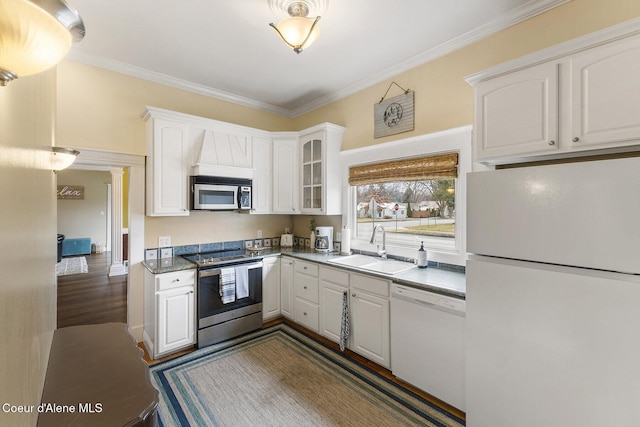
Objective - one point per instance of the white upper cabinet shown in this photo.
(320, 172)
(605, 95)
(167, 170)
(262, 179)
(575, 99)
(285, 173)
(291, 172)
(518, 113)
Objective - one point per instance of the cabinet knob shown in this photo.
(304, 314)
(552, 143)
(353, 295)
(575, 139)
(304, 287)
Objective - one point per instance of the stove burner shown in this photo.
(210, 259)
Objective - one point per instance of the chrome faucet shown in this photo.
(383, 252)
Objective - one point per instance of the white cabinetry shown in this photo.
(334, 284)
(575, 99)
(306, 294)
(518, 113)
(370, 332)
(320, 186)
(263, 173)
(167, 168)
(270, 288)
(605, 95)
(286, 287)
(285, 173)
(169, 315)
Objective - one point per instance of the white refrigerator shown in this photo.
(553, 295)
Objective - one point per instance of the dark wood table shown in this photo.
(97, 377)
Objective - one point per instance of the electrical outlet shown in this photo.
(259, 234)
(151, 254)
(286, 230)
(339, 236)
(164, 241)
(166, 253)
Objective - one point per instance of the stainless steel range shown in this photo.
(229, 294)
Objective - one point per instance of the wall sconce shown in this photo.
(62, 158)
(36, 35)
(298, 31)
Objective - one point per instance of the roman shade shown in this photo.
(440, 166)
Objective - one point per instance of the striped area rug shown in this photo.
(279, 376)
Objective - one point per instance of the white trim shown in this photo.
(458, 140)
(626, 29)
(519, 14)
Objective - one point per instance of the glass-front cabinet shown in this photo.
(312, 171)
(320, 188)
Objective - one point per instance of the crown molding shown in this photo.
(519, 14)
(625, 29)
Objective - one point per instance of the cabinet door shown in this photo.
(370, 327)
(312, 173)
(286, 287)
(285, 176)
(262, 179)
(167, 171)
(605, 95)
(331, 296)
(176, 319)
(517, 114)
(270, 288)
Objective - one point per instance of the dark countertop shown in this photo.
(167, 265)
(438, 280)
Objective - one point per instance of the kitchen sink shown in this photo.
(369, 263)
(354, 260)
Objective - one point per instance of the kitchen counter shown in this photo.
(167, 265)
(438, 280)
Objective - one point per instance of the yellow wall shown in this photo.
(443, 100)
(27, 241)
(100, 109)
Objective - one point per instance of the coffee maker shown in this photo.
(324, 239)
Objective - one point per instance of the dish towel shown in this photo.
(227, 285)
(242, 282)
(344, 325)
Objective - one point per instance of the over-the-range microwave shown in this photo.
(214, 193)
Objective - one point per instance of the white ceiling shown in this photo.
(225, 48)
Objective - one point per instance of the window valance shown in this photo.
(440, 166)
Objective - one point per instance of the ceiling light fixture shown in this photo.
(62, 158)
(35, 35)
(297, 31)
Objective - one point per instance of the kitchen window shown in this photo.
(415, 189)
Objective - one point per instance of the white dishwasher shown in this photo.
(427, 342)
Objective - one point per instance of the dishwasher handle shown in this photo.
(418, 296)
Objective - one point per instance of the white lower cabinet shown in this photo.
(169, 317)
(270, 288)
(312, 295)
(333, 285)
(286, 287)
(370, 313)
(306, 294)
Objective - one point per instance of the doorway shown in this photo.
(103, 160)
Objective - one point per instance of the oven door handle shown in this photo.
(216, 271)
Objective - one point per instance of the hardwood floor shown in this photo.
(93, 297)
